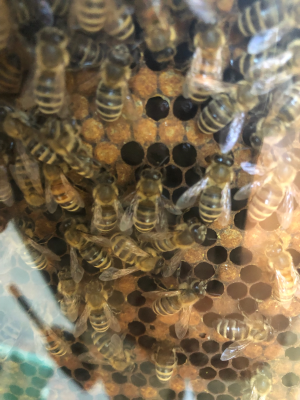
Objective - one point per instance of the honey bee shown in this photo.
(260, 384)
(5, 24)
(60, 191)
(59, 7)
(91, 15)
(275, 186)
(68, 289)
(11, 72)
(107, 208)
(180, 9)
(181, 300)
(51, 59)
(76, 235)
(146, 210)
(160, 33)
(186, 236)
(53, 341)
(6, 193)
(118, 23)
(97, 311)
(27, 12)
(115, 352)
(165, 359)
(213, 191)
(127, 250)
(84, 52)
(253, 330)
(26, 225)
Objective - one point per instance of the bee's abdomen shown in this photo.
(33, 258)
(118, 247)
(48, 98)
(54, 346)
(286, 289)
(99, 321)
(167, 305)
(265, 201)
(210, 206)
(40, 151)
(102, 342)
(62, 198)
(217, 114)
(232, 329)
(289, 112)
(164, 372)
(122, 28)
(10, 73)
(96, 256)
(5, 191)
(165, 245)
(146, 216)
(109, 219)
(92, 15)
(109, 102)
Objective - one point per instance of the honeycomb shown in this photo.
(165, 135)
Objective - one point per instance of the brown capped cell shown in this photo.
(128, 313)
(188, 372)
(253, 350)
(168, 319)
(194, 255)
(177, 383)
(129, 390)
(242, 155)
(198, 385)
(225, 5)
(87, 82)
(227, 272)
(111, 388)
(170, 82)
(269, 307)
(119, 131)
(124, 172)
(171, 131)
(230, 238)
(79, 106)
(106, 153)
(195, 318)
(225, 304)
(145, 131)
(92, 130)
(144, 83)
(133, 108)
(243, 179)
(274, 350)
(148, 392)
(160, 332)
(193, 134)
(126, 285)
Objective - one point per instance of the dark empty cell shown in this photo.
(9, 396)
(210, 318)
(136, 328)
(248, 305)
(237, 205)
(136, 299)
(90, 269)
(217, 255)
(287, 338)
(240, 256)
(237, 290)
(158, 154)
(173, 176)
(181, 358)
(119, 378)
(132, 153)
(155, 382)
(20, 276)
(295, 255)
(250, 274)
(204, 271)
(216, 387)
(190, 345)
(186, 395)
(82, 374)
(231, 75)
(210, 346)
(217, 362)
(66, 371)
(280, 322)
(172, 331)
(215, 288)
(55, 216)
(90, 367)
(45, 372)
(108, 368)
(147, 367)
(120, 397)
(204, 396)
(193, 212)
(207, 373)
(116, 299)
(147, 284)
(167, 394)
(228, 375)
(177, 193)
(58, 246)
(157, 108)
(146, 341)
(261, 291)
(240, 362)
(193, 175)
(16, 390)
(167, 255)
(185, 270)
(182, 56)
(79, 348)
(184, 154)
(198, 359)
(166, 193)
(65, 260)
(152, 63)
(184, 109)
(224, 397)
(290, 379)
(241, 221)
(235, 389)
(293, 353)
(146, 314)
(271, 223)
(32, 392)
(211, 238)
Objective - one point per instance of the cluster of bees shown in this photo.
(39, 134)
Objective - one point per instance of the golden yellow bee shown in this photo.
(68, 288)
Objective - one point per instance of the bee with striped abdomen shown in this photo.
(165, 359)
(6, 193)
(5, 24)
(119, 23)
(91, 14)
(68, 289)
(253, 330)
(97, 311)
(60, 191)
(186, 236)
(260, 383)
(181, 300)
(275, 188)
(11, 72)
(52, 59)
(213, 191)
(107, 210)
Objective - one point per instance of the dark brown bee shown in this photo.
(91, 15)
(84, 52)
(11, 72)
(165, 359)
(119, 23)
(68, 288)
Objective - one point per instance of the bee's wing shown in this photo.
(203, 10)
(117, 344)
(90, 358)
(81, 324)
(126, 220)
(71, 191)
(100, 240)
(295, 192)
(234, 132)
(188, 198)
(42, 249)
(162, 293)
(168, 204)
(263, 40)
(234, 350)
(213, 85)
(50, 202)
(113, 322)
(129, 107)
(285, 211)
(153, 236)
(119, 209)
(72, 316)
(253, 169)
(97, 218)
(245, 191)
(226, 205)
(115, 273)
(32, 168)
(4, 182)
(76, 269)
(182, 325)
(173, 264)
(131, 246)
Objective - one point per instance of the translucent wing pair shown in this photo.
(115, 342)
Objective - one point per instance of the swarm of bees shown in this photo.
(41, 151)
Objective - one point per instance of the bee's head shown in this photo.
(197, 230)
